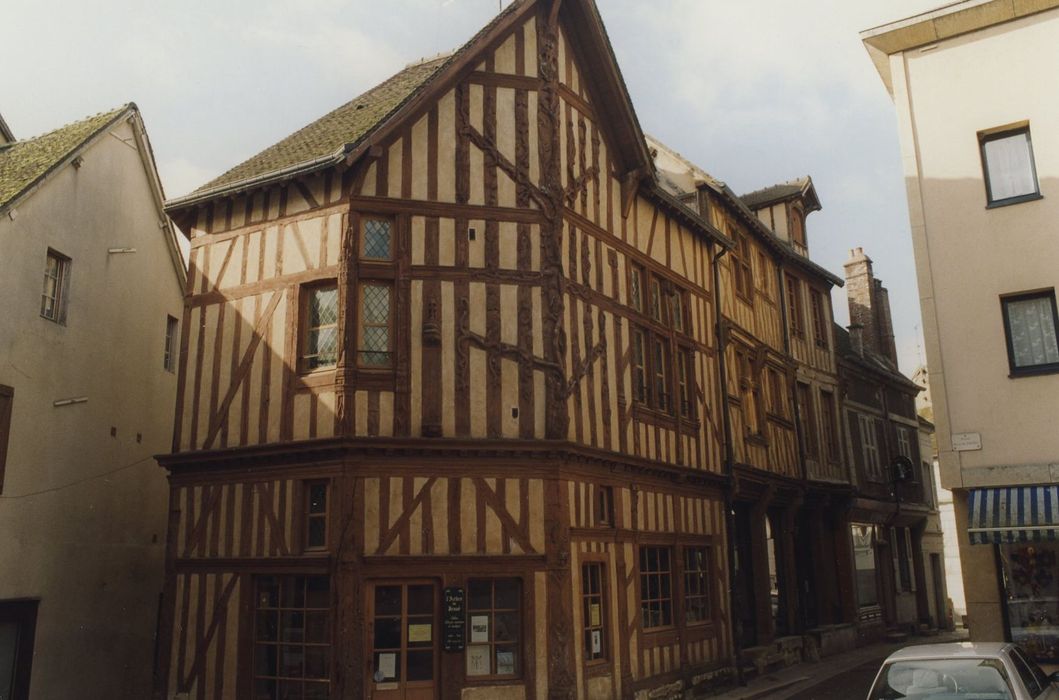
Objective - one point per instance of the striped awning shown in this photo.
(1013, 514)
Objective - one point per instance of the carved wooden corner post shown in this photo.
(557, 421)
(346, 589)
(347, 300)
(561, 685)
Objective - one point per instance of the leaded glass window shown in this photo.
(378, 239)
(321, 328)
(374, 350)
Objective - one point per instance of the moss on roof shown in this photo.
(328, 134)
(24, 163)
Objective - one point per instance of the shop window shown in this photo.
(494, 622)
(316, 508)
(292, 637)
(593, 613)
(656, 587)
(319, 332)
(864, 543)
(697, 606)
(1030, 325)
(18, 623)
(1007, 163)
(1031, 582)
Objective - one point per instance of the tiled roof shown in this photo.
(24, 163)
(868, 359)
(346, 126)
(329, 133)
(774, 193)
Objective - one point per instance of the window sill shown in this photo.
(1014, 200)
(757, 439)
(1036, 371)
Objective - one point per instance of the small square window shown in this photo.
(320, 334)
(1007, 162)
(56, 286)
(1030, 322)
(377, 243)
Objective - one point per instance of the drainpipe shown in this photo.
(729, 462)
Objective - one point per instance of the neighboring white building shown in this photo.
(978, 118)
(91, 283)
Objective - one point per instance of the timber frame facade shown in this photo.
(474, 403)
(535, 424)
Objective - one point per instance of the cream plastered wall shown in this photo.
(967, 256)
(83, 513)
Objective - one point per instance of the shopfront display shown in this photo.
(1031, 582)
(1022, 522)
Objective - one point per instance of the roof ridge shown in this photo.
(75, 122)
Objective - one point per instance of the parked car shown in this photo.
(963, 671)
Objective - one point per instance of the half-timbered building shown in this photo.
(448, 418)
(790, 486)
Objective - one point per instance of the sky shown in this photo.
(754, 92)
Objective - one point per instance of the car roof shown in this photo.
(955, 650)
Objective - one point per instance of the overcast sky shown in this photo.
(754, 92)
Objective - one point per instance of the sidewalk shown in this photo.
(794, 679)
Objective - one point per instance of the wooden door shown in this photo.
(403, 637)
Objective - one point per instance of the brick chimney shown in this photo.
(869, 307)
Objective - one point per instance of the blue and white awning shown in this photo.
(1013, 514)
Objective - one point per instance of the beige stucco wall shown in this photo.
(83, 513)
(967, 256)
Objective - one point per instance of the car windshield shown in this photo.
(943, 679)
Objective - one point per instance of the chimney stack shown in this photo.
(869, 308)
(856, 338)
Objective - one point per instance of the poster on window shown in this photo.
(1030, 579)
(386, 667)
(597, 642)
(505, 663)
(478, 660)
(479, 629)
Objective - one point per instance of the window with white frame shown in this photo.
(169, 356)
(56, 285)
(869, 442)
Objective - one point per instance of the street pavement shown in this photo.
(845, 676)
(851, 684)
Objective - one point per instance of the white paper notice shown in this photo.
(597, 642)
(479, 628)
(505, 663)
(387, 667)
(478, 660)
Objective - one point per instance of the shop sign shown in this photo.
(453, 625)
